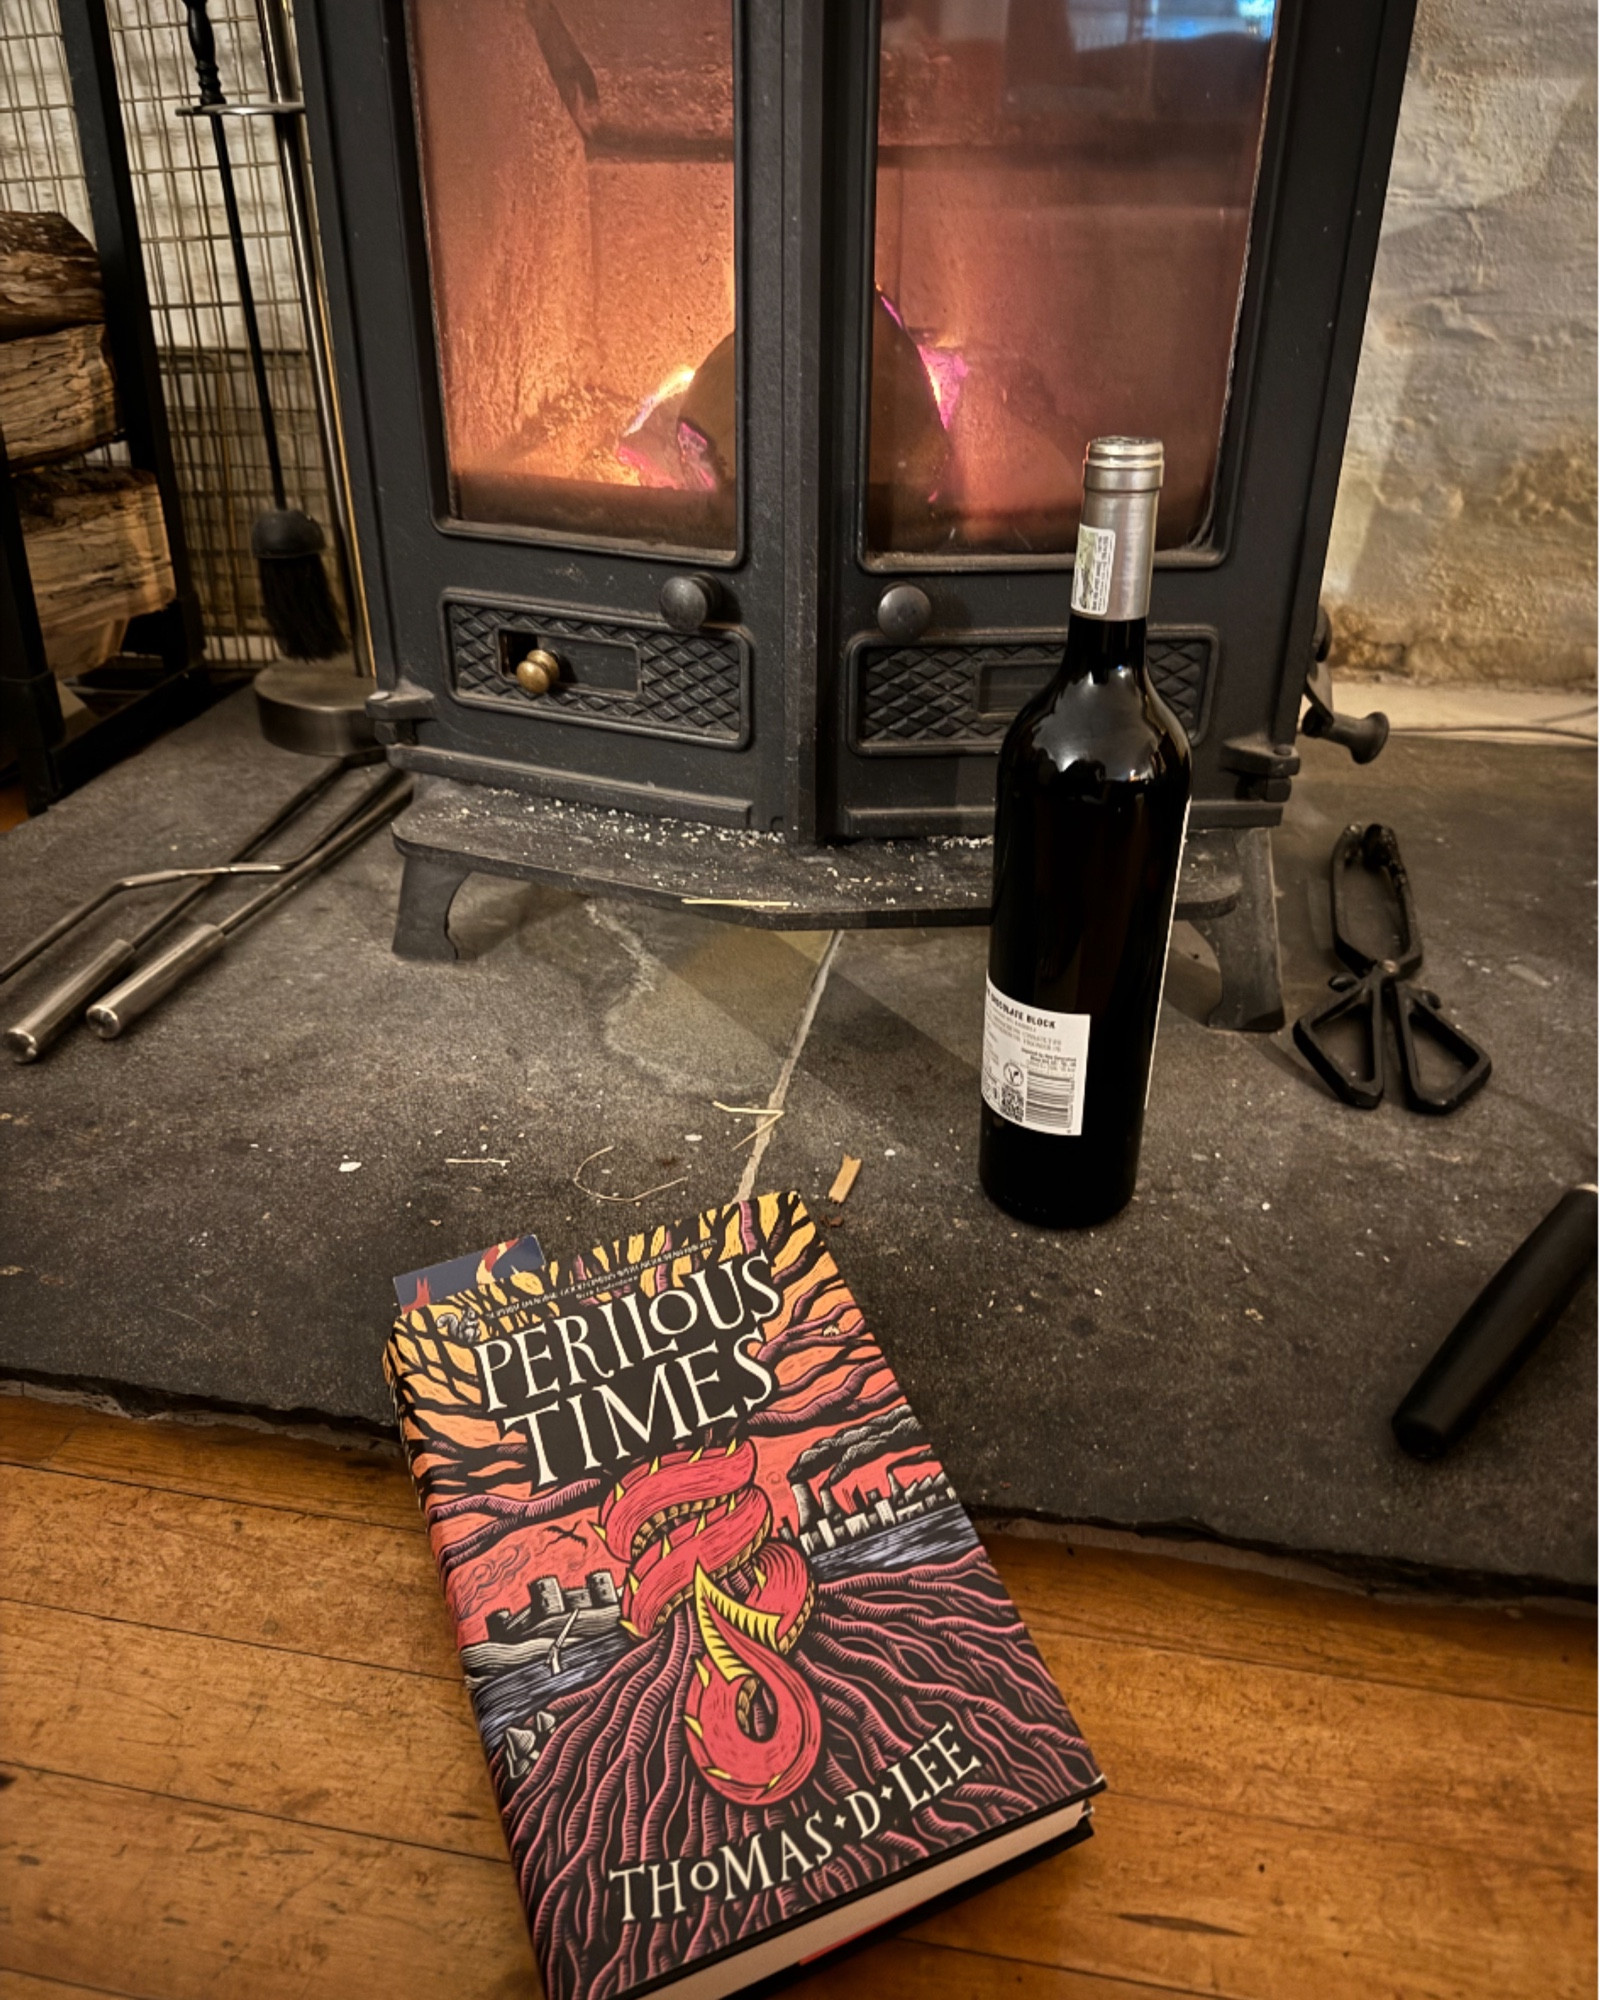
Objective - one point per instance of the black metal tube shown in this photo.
(203, 43)
(58, 929)
(283, 85)
(247, 311)
(1501, 1328)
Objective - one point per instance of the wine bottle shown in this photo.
(1091, 811)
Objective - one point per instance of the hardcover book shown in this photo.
(747, 1681)
(459, 1274)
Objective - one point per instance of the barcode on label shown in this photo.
(1051, 1105)
(1034, 1063)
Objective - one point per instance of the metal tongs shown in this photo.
(54, 1011)
(156, 978)
(1417, 1013)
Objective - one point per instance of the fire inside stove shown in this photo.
(671, 440)
(578, 173)
(1062, 199)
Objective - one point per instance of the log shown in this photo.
(49, 275)
(97, 555)
(57, 397)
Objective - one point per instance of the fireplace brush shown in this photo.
(45, 1022)
(155, 979)
(286, 543)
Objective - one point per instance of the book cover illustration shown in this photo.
(734, 1647)
(459, 1274)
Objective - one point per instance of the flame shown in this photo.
(648, 458)
(649, 464)
(945, 366)
(672, 385)
(947, 372)
(699, 464)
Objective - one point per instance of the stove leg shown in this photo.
(1245, 941)
(422, 923)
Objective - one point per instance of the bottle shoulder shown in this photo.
(1119, 726)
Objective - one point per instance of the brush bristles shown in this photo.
(295, 596)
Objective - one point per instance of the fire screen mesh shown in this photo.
(211, 407)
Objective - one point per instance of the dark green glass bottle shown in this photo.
(1091, 812)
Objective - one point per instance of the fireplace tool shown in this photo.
(1501, 1328)
(286, 543)
(237, 863)
(156, 978)
(44, 1022)
(313, 709)
(1359, 994)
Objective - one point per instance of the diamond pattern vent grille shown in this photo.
(690, 685)
(931, 694)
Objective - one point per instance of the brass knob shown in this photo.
(538, 671)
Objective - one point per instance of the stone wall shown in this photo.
(1464, 543)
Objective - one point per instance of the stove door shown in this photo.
(1061, 211)
(587, 365)
(543, 212)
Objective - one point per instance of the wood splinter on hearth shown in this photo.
(845, 1179)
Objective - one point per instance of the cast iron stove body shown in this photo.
(716, 377)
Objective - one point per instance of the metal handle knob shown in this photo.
(44, 1022)
(904, 612)
(1362, 735)
(538, 671)
(139, 993)
(203, 42)
(687, 602)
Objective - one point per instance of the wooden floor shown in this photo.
(238, 1760)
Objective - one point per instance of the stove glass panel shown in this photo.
(578, 180)
(1063, 207)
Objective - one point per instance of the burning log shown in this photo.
(907, 447)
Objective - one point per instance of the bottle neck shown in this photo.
(1116, 549)
(1096, 648)
(1110, 584)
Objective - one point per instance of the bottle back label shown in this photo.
(1034, 1064)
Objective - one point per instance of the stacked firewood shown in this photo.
(95, 538)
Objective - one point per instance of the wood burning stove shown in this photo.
(717, 375)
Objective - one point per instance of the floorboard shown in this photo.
(242, 1763)
(1514, 1654)
(24, 1986)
